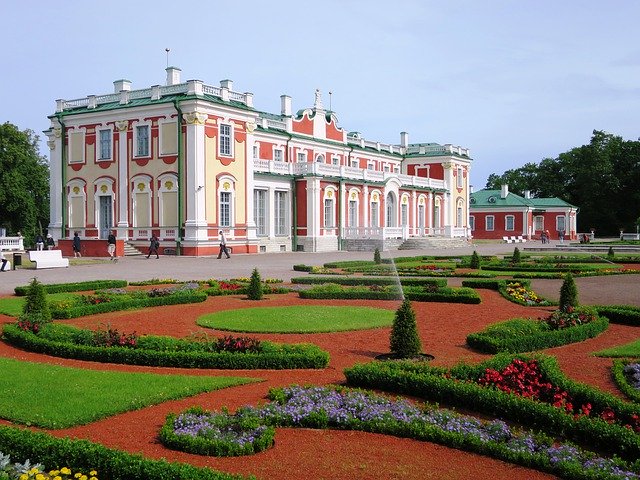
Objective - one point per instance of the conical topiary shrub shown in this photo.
(610, 253)
(36, 308)
(516, 258)
(376, 257)
(254, 291)
(405, 342)
(568, 293)
(475, 260)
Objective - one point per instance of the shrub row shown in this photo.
(273, 357)
(350, 294)
(617, 372)
(443, 294)
(623, 314)
(129, 304)
(75, 287)
(490, 283)
(302, 267)
(84, 455)
(535, 338)
(438, 282)
(457, 387)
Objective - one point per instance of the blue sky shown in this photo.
(514, 81)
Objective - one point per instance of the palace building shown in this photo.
(186, 160)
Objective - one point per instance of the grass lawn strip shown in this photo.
(298, 319)
(13, 305)
(51, 396)
(628, 350)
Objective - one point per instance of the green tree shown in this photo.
(36, 308)
(376, 256)
(611, 254)
(405, 341)
(475, 260)
(24, 182)
(568, 293)
(255, 291)
(516, 257)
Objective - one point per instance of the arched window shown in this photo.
(103, 202)
(226, 193)
(391, 210)
(329, 208)
(460, 213)
(168, 201)
(141, 202)
(436, 213)
(77, 195)
(374, 212)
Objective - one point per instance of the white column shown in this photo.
(54, 143)
(413, 223)
(344, 205)
(429, 222)
(366, 206)
(314, 206)
(248, 155)
(271, 204)
(123, 179)
(195, 188)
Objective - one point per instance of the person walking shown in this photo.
(4, 262)
(39, 242)
(76, 245)
(111, 246)
(153, 246)
(223, 245)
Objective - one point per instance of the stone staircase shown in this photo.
(130, 250)
(422, 243)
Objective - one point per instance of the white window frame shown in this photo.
(538, 221)
(281, 212)
(489, 219)
(352, 216)
(256, 152)
(355, 163)
(370, 166)
(564, 223)
(374, 216)
(137, 140)
(320, 158)
(472, 222)
(278, 152)
(225, 209)
(301, 157)
(261, 218)
(507, 219)
(335, 160)
(99, 156)
(225, 140)
(329, 212)
(459, 177)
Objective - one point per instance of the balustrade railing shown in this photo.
(11, 243)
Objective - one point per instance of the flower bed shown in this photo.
(336, 291)
(595, 418)
(626, 374)
(237, 287)
(526, 335)
(27, 470)
(87, 456)
(514, 291)
(70, 342)
(322, 407)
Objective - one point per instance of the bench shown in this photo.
(48, 258)
(512, 239)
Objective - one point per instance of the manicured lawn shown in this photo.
(52, 396)
(298, 319)
(13, 305)
(628, 350)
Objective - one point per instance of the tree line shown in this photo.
(601, 178)
(24, 183)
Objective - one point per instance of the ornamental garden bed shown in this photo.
(427, 293)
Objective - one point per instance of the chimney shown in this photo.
(470, 188)
(404, 139)
(527, 194)
(120, 85)
(285, 105)
(228, 84)
(504, 191)
(173, 75)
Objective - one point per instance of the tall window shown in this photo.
(472, 222)
(255, 151)
(560, 223)
(375, 214)
(353, 213)
(320, 158)
(260, 211)
(328, 213)
(105, 145)
(142, 141)
(225, 140)
(404, 215)
(277, 155)
(538, 223)
(459, 178)
(391, 210)
(225, 209)
(281, 212)
(335, 160)
(488, 222)
(302, 157)
(509, 222)
(420, 217)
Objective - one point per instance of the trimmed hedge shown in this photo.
(130, 304)
(623, 314)
(109, 463)
(438, 282)
(302, 268)
(617, 372)
(457, 387)
(443, 294)
(415, 293)
(75, 287)
(491, 341)
(491, 283)
(275, 356)
(349, 294)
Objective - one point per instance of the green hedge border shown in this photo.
(114, 306)
(486, 343)
(438, 282)
(622, 314)
(74, 287)
(617, 372)
(306, 356)
(456, 387)
(413, 293)
(110, 464)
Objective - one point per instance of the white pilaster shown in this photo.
(344, 206)
(429, 212)
(248, 155)
(366, 207)
(195, 188)
(413, 215)
(123, 179)
(56, 137)
(313, 208)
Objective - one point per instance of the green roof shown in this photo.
(487, 198)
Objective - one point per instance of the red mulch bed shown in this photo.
(306, 453)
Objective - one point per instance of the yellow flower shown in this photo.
(77, 475)
(93, 473)
(54, 473)
(65, 471)
(24, 476)
(40, 476)
(57, 477)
